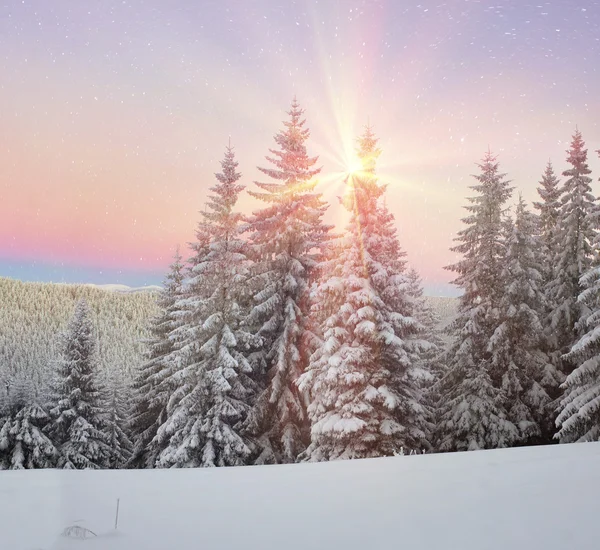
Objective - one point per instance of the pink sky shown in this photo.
(111, 131)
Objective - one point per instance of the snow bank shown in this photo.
(516, 498)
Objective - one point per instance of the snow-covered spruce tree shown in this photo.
(548, 219)
(471, 413)
(207, 412)
(401, 292)
(548, 232)
(5, 442)
(430, 367)
(579, 416)
(576, 233)
(151, 391)
(516, 347)
(23, 443)
(76, 427)
(5, 418)
(431, 358)
(287, 238)
(364, 399)
(115, 395)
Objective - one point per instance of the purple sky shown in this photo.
(114, 115)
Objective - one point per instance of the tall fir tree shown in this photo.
(364, 398)
(204, 422)
(287, 237)
(548, 219)
(548, 231)
(151, 388)
(76, 426)
(579, 416)
(472, 415)
(517, 345)
(574, 244)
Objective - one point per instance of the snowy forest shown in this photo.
(282, 339)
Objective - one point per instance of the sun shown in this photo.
(353, 166)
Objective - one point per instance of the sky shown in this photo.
(114, 115)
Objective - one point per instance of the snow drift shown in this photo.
(515, 498)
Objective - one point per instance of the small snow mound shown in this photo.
(78, 532)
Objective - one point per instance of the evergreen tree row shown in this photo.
(524, 365)
(279, 341)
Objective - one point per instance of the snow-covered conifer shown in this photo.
(23, 441)
(548, 234)
(76, 427)
(210, 404)
(548, 219)
(576, 233)
(115, 394)
(430, 367)
(287, 239)
(579, 416)
(472, 415)
(432, 358)
(516, 346)
(151, 388)
(364, 399)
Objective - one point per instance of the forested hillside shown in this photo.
(32, 315)
(445, 309)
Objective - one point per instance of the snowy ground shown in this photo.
(519, 498)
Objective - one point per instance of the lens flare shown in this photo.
(353, 167)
